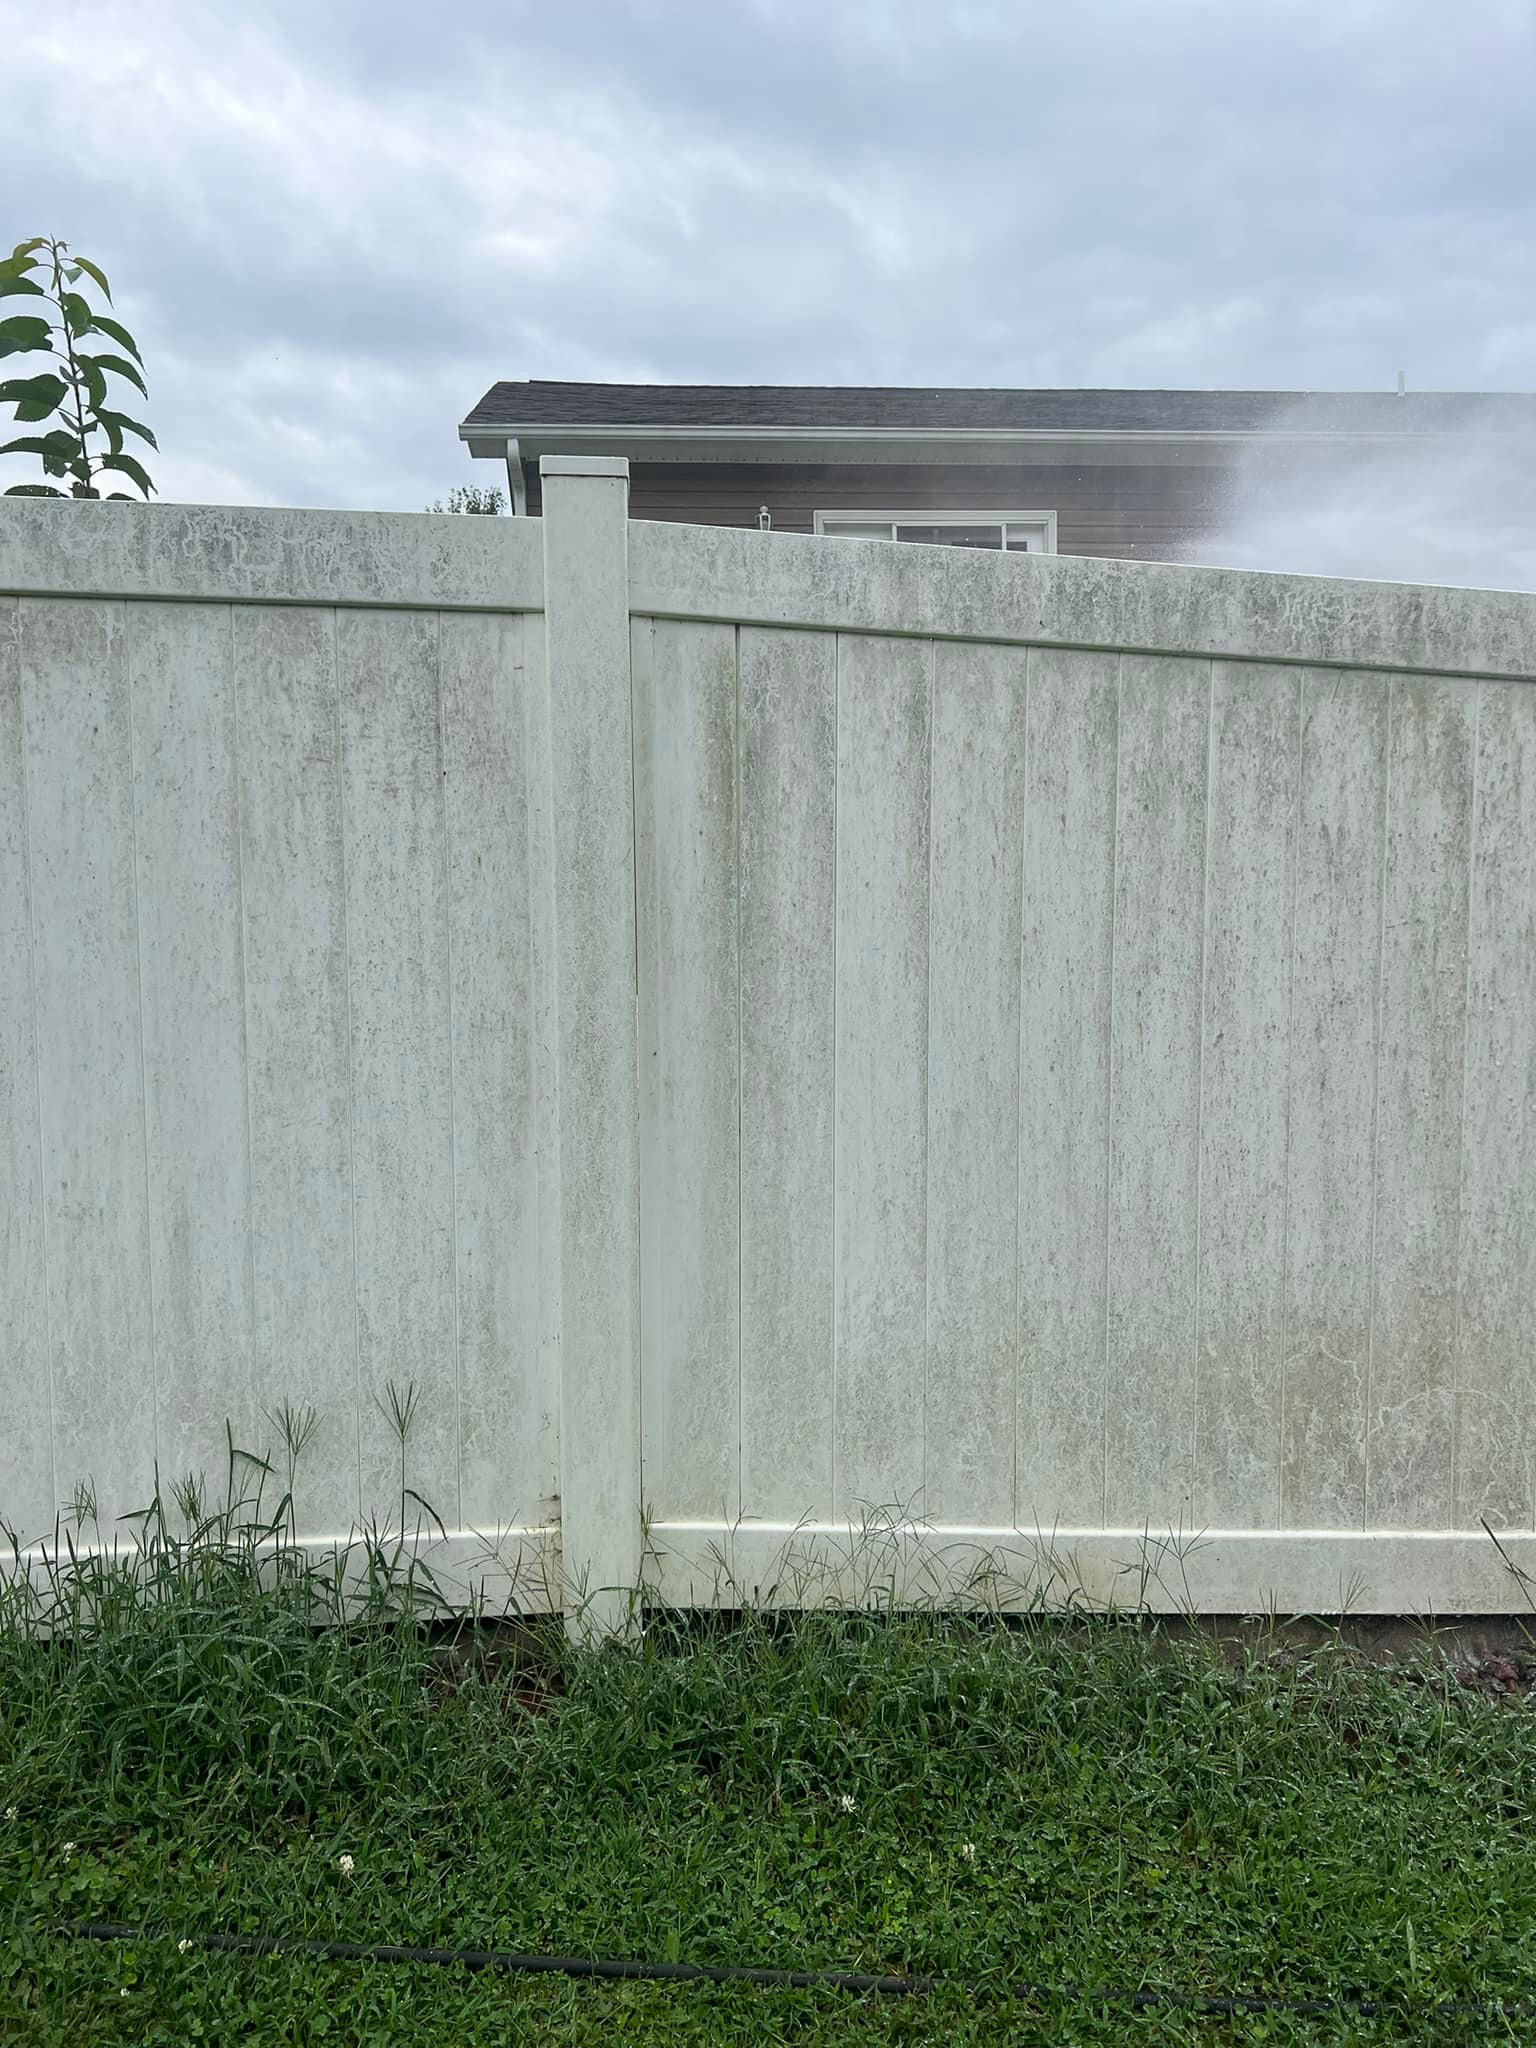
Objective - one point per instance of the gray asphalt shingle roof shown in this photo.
(539, 403)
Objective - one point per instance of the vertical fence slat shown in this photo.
(1333, 1070)
(296, 1002)
(1496, 1353)
(543, 1108)
(181, 678)
(1067, 923)
(496, 1239)
(1245, 1069)
(397, 935)
(1155, 1055)
(1418, 1147)
(686, 830)
(788, 744)
(586, 594)
(884, 689)
(973, 1084)
(26, 1450)
(648, 1018)
(90, 1058)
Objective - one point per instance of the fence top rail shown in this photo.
(268, 555)
(257, 554)
(751, 578)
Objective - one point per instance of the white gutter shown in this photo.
(517, 488)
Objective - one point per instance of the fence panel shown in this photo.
(1172, 981)
(271, 1091)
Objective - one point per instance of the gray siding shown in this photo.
(1141, 512)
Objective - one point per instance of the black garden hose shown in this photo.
(505, 1960)
(510, 1963)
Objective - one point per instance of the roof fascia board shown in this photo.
(820, 438)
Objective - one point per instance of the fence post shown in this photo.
(586, 614)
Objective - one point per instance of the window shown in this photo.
(1017, 533)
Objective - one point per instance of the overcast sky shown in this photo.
(333, 226)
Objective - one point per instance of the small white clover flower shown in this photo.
(10, 1813)
(67, 1851)
(182, 1946)
(848, 1803)
(345, 1865)
(968, 1851)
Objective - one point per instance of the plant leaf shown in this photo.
(95, 383)
(60, 451)
(34, 491)
(33, 397)
(77, 312)
(31, 387)
(135, 471)
(23, 332)
(120, 364)
(58, 444)
(25, 248)
(13, 285)
(116, 331)
(118, 423)
(99, 276)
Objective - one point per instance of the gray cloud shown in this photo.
(333, 226)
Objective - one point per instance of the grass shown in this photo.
(1072, 1802)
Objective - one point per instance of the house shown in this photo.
(1147, 475)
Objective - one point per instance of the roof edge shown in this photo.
(587, 430)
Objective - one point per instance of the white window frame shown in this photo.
(931, 516)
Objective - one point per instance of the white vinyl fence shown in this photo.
(832, 1068)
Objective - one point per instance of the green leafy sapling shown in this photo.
(66, 400)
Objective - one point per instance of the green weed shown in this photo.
(196, 1731)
